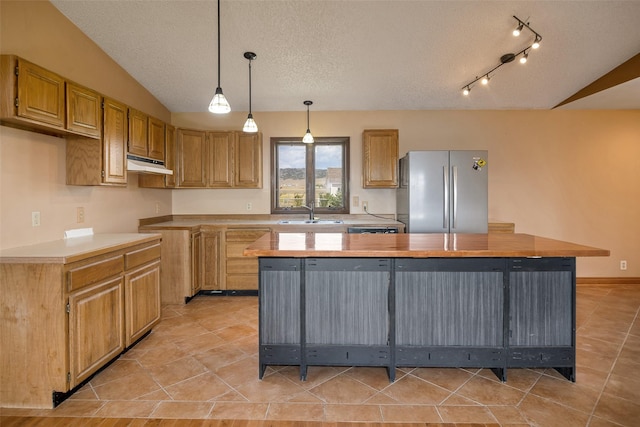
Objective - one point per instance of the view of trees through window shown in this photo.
(310, 173)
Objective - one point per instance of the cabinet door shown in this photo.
(196, 263)
(220, 159)
(142, 296)
(114, 153)
(248, 160)
(96, 315)
(191, 158)
(40, 94)
(84, 112)
(211, 260)
(138, 133)
(170, 155)
(156, 139)
(380, 158)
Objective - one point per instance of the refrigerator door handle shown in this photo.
(455, 197)
(445, 195)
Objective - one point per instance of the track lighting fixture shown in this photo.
(308, 138)
(219, 104)
(507, 57)
(250, 125)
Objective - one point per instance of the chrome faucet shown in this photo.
(311, 213)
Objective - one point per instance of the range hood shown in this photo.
(144, 165)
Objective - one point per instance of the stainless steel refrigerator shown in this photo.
(443, 192)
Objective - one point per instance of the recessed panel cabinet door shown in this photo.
(40, 94)
(83, 110)
(220, 155)
(114, 142)
(380, 158)
(96, 335)
(191, 158)
(138, 133)
(156, 139)
(142, 294)
(248, 160)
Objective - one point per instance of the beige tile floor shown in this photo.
(201, 362)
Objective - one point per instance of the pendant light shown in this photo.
(308, 138)
(219, 104)
(250, 125)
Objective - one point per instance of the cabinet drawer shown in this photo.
(94, 272)
(248, 236)
(141, 256)
(235, 249)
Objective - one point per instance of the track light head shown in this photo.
(517, 31)
(485, 80)
(536, 43)
(466, 91)
(525, 56)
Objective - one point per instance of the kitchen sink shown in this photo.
(311, 221)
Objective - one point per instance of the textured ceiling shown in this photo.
(363, 55)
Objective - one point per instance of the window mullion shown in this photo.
(311, 174)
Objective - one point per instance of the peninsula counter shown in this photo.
(493, 301)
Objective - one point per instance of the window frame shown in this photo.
(342, 141)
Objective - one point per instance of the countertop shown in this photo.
(64, 251)
(257, 221)
(437, 245)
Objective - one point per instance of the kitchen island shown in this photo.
(492, 301)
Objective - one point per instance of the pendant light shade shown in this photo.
(308, 138)
(219, 104)
(250, 125)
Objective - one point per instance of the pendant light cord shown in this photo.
(218, 43)
(249, 86)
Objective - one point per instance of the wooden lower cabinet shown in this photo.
(61, 321)
(180, 272)
(96, 315)
(241, 273)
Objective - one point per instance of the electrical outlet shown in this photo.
(623, 265)
(80, 215)
(356, 201)
(35, 219)
(365, 206)
(249, 206)
(157, 207)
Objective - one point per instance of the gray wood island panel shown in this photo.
(467, 304)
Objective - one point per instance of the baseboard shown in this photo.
(590, 281)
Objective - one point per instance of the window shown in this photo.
(316, 173)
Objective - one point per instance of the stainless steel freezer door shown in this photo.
(468, 199)
(429, 202)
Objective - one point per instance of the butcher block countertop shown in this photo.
(306, 245)
(65, 251)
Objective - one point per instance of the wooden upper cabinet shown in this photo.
(248, 160)
(84, 112)
(156, 149)
(220, 159)
(138, 133)
(100, 161)
(114, 143)
(40, 94)
(191, 158)
(380, 151)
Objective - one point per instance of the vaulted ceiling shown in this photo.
(368, 55)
